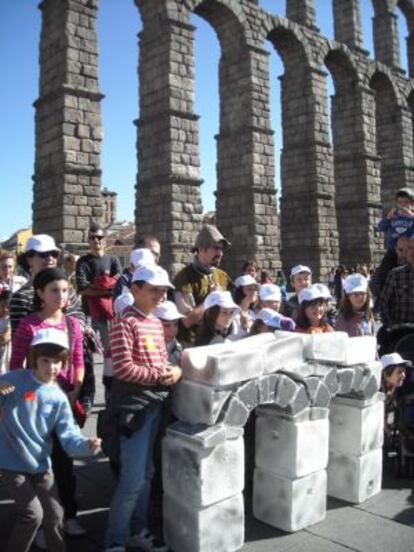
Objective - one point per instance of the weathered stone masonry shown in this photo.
(331, 193)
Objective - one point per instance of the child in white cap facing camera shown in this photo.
(268, 320)
(170, 319)
(313, 305)
(354, 315)
(33, 406)
(270, 297)
(217, 323)
(245, 296)
(300, 278)
(392, 379)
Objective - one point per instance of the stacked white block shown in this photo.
(355, 448)
(290, 479)
(203, 478)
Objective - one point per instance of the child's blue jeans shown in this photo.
(129, 506)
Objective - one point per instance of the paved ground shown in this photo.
(382, 524)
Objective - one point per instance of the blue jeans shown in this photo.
(129, 506)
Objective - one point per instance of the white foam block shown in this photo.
(355, 429)
(226, 363)
(217, 528)
(285, 352)
(202, 476)
(288, 504)
(355, 478)
(338, 348)
(328, 347)
(289, 448)
(196, 402)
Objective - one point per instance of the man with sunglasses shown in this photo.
(196, 280)
(96, 275)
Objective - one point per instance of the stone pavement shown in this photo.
(383, 524)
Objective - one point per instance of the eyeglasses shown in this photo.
(47, 254)
(96, 237)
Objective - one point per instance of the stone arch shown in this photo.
(244, 132)
(306, 145)
(388, 138)
(357, 185)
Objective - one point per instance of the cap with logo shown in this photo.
(270, 292)
(141, 257)
(167, 311)
(393, 359)
(126, 299)
(275, 320)
(221, 299)
(51, 336)
(41, 243)
(154, 275)
(300, 268)
(245, 280)
(355, 283)
(313, 292)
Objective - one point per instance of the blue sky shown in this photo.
(118, 25)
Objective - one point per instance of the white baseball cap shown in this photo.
(141, 257)
(355, 283)
(221, 299)
(245, 280)
(154, 275)
(270, 292)
(41, 243)
(275, 320)
(52, 336)
(300, 268)
(393, 359)
(126, 299)
(167, 311)
(315, 291)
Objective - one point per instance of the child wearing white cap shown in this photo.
(33, 407)
(270, 297)
(138, 257)
(313, 305)
(217, 323)
(354, 314)
(392, 379)
(245, 296)
(170, 319)
(300, 278)
(142, 380)
(268, 320)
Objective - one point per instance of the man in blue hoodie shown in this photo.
(32, 406)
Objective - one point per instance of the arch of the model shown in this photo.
(331, 193)
(318, 432)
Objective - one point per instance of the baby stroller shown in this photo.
(399, 439)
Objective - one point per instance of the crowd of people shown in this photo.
(67, 307)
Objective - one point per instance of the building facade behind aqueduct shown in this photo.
(331, 193)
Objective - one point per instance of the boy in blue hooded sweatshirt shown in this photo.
(32, 406)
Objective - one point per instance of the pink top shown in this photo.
(23, 337)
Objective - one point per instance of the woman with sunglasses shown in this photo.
(40, 252)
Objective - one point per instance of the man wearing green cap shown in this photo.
(196, 280)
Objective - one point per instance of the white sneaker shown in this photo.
(73, 528)
(147, 542)
(40, 539)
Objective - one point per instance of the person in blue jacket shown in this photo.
(32, 406)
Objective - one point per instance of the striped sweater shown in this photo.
(138, 348)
